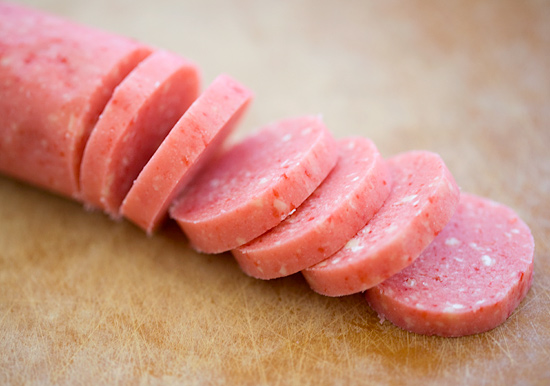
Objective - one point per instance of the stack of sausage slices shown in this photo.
(124, 128)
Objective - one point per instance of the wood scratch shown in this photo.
(497, 342)
(252, 338)
(69, 361)
(4, 316)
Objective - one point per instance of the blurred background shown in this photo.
(469, 80)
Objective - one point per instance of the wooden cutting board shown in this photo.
(85, 300)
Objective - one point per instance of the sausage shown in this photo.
(469, 280)
(424, 197)
(55, 79)
(191, 143)
(88, 114)
(141, 112)
(255, 184)
(346, 200)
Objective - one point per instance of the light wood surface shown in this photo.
(85, 300)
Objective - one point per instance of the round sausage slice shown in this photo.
(424, 197)
(190, 144)
(254, 185)
(55, 79)
(144, 107)
(346, 200)
(469, 280)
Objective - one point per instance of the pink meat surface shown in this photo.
(55, 79)
(423, 199)
(346, 200)
(255, 184)
(143, 109)
(195, 138)
(469, 280)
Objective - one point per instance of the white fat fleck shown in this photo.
(516, 231)
(453, 307)
(157, 84)
(392, 228)
(283, 271)
(258, 203)
(260, 269)
(285, 163)
(322, 264)
(240, 240)
(487, 260)
(280, 205)
(480, 301)
(263, 180)
(307, 130)
(509, 235)
(474, 246)
(420, 306)
(157, 180)
(459, 259)
(451, 241)
(214, 183)
(407, 199)
(287, 137)
(410, 282)
(353, 245)
(351, 145)
(356, 178)
(336, 260)
(292, 212)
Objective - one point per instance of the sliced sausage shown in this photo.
(190, 144)
(55, 79)
(255, 184)
(469, 280)
(424, 197)
(143, 109)
(346, 200)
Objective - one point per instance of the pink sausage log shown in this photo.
(346, 200)
(469, 280)
(195, 138)
(256, 184)
(55, 79)
(143, 109)
(424, 197)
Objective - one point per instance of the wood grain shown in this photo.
(87, 300)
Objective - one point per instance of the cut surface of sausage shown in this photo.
(141, 112)
(424, 196)
(192, 142)
(255, 184)
(346, 200)
(469, 280)
(55, 79)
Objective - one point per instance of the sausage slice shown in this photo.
(424, 197)
(255, 184)
(346, 200)
(469, 280)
